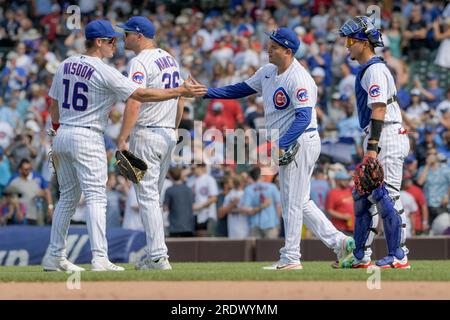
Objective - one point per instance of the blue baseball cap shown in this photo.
(139, 24)
(286, 38)
(100, 29)
(340, 175)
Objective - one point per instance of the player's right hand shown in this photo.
(192, 88)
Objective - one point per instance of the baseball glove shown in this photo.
(130, 166)
(368, 175)
(289, 155)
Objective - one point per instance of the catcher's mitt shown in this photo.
(130, 166)
(289, 155)
(368, 175)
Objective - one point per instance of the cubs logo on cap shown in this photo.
(281, 99)
(302, 95)
(138, 77)
(374, 91)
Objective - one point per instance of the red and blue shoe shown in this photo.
(392, 262)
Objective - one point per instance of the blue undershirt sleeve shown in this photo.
(301, 122)
(234, 91)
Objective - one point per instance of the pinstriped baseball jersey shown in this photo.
(86, 88)
(284, 93)
(156, 68)
(379, 84)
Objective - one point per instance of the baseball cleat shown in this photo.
(391, 262)
(103, 264)
(352, 263)
(148, 264)
(51, 263)
(347, 247)
(284, 266)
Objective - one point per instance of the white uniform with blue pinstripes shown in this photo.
(282, 94)
(154, 68)
(85, 88)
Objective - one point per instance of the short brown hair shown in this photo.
(175, 173)
(89, 43)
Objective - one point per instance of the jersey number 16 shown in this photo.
(79, 98)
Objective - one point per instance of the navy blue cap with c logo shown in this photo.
(286, 38)
(139, 24)
(100, 29)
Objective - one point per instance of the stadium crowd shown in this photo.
(221, 45)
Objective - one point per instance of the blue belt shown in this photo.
(85, 127)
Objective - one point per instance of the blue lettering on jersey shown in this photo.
(281, 99)
(165, 62)
(138, 77)
(364, 112)
(78, 70)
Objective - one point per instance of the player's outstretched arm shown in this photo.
(188, 89)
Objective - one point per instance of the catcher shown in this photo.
(377, 191)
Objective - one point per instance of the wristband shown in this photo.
(55, 126)
(372, 146)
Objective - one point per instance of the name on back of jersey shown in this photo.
(78, 69)
(166, 62)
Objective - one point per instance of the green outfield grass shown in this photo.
(313, 271)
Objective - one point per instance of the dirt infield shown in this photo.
(226, 290)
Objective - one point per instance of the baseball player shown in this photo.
(290, 95)
(153, 137)
(83, 91)
(380, 118)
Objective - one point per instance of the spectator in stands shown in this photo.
(339, 203)
(322, 58)
(442, 57)
(424, 147)
(12, 210)
(5, 171)
(394, 35)
(21, 149)
(255, 118)
(261, 201)
(411, 209)
(445, 104)
(178, 201)
(225, 186)
(319, 188)
(131, 218)
(347, 83)
(113, 199)
(420, 223)
(31, 191)
(415, 34)
(416, 111)
(434, 177)
(205, 198)
(432, 94)
(224, 114)
(237, 222)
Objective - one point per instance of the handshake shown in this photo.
(192, 88)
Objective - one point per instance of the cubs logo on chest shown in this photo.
(281, 99)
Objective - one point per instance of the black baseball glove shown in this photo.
(130, 166)
(289, 155)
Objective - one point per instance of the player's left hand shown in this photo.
(122, 144)
(370, 154)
